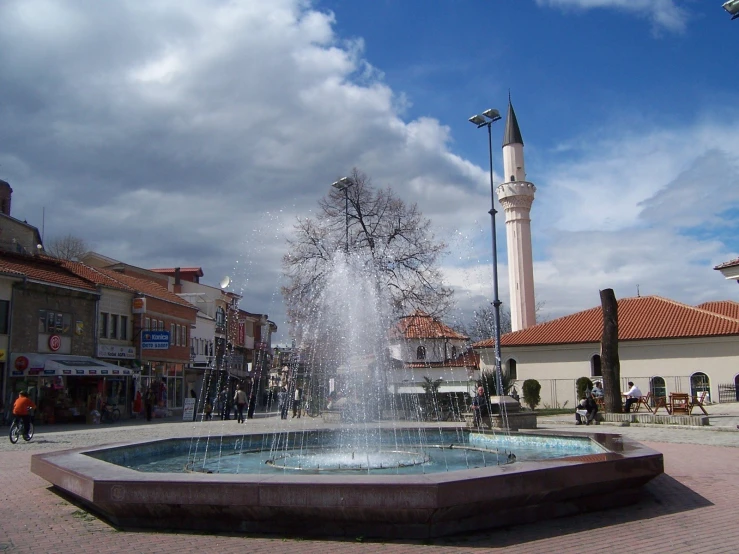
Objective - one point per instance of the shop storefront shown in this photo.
(69, 389)
(167, 381)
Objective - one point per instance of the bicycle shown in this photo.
(17, 431)
(110, 414)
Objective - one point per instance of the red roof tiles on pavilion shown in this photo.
(420, 325)
(639, 318)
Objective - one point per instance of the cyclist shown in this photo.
(21, 408)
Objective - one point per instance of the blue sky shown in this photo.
(211, 125)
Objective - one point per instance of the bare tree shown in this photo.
(393, 237)
(481, 325)
(67, 247)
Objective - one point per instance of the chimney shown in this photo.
(177, 281)
(5, 194)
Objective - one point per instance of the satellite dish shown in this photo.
(225, 282)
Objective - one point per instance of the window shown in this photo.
(454, 352)
(595, 370)
(512, 369)
(161, 325)
(220, 316)
(421, 353)
(147, 323)
(104, 318)
(124, 327)
(4, 311)
(657, 387)
(172, 334)
(55, 323)
(699, 383)
(184, 335)
(113, 326)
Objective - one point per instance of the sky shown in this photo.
(193, 133)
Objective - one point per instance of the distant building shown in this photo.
(422, 347)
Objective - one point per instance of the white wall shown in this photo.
(675, 360)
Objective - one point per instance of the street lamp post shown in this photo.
(486, 119)
(343, 184)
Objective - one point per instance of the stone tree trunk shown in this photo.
(610, 365)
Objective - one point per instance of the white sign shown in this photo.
(118, 352)
(188, 413)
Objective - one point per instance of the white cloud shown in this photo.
(664, 14)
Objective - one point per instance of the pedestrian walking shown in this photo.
(240, 401)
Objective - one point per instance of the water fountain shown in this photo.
(369, 474)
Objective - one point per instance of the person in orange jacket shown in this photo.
(21, 408)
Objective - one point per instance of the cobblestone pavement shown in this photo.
(692, 508)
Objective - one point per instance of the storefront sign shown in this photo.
(242, 332)
(188, 413)
(155, 340)
(21, 363)
(138, 306)
(117, 352)
(55, 343)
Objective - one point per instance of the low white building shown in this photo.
(422, 347)
(664, 346)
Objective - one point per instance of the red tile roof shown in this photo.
(732, 263)
(172, 270)
(729, 308)
(43, 269)
(95, 276)
(420, 325)
(149, 288)
(639, 318)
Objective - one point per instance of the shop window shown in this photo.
(4, 312)
(124, 327)
(113, 326)
(55, 323)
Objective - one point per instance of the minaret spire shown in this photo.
(516, 195)
(512, 134)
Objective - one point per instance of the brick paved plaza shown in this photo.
(692, 508)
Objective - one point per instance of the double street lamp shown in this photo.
(486, 119)
(343, 184)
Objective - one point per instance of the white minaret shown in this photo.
(516, 195)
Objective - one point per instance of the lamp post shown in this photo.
(486, 119)
(343, 184)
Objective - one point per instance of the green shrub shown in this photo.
(583, 384)
(531, 393)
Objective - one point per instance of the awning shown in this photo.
(32, 364)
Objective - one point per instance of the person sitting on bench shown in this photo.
(586, 410)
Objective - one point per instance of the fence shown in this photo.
(562, 393)
(728, 393)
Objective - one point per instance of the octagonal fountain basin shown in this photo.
(320, 483)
